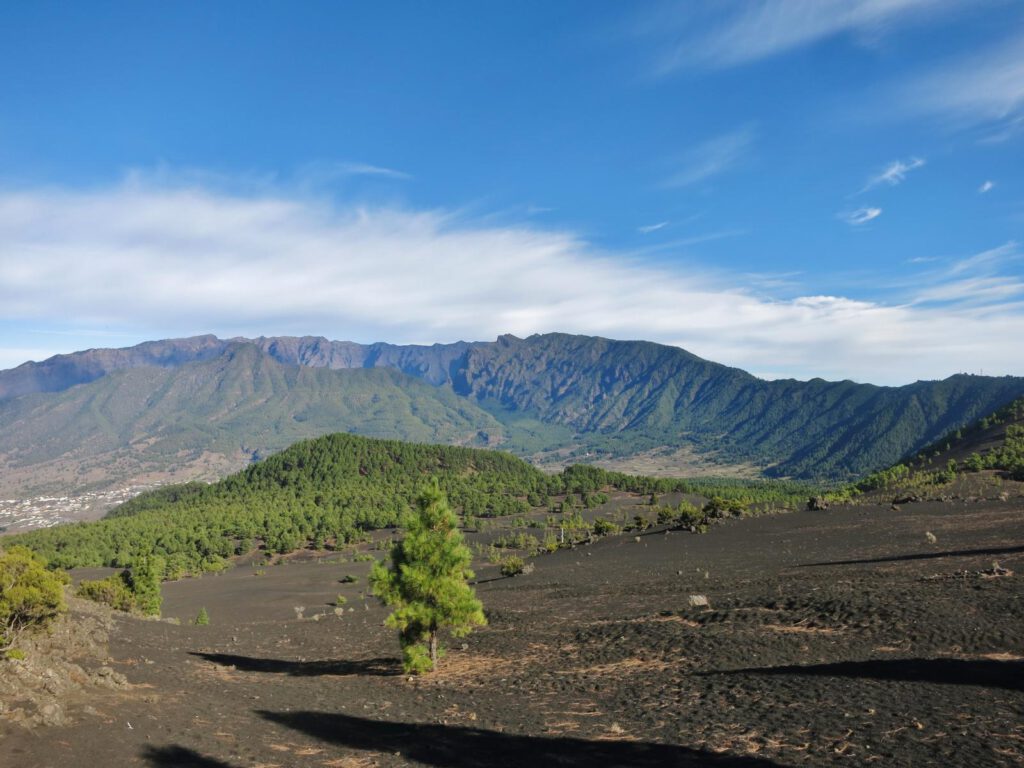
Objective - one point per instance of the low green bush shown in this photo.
(512, 565)
(113, 591)
(31, 597)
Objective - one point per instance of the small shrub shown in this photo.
(112, 591)
(512, 565)
(340, 600)
(348, 578)
(30, 596)
(202, 618)
(667, 515)
(604, 527)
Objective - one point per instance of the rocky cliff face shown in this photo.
(64, 371)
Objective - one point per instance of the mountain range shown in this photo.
(202, 407)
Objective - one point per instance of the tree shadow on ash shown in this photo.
(921, 556)
(379, 667)
(180, 757)
(458, 747)
(980, 672)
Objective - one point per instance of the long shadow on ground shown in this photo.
(180, 757)
(921, 556)
(981, 672)
(457, 747)
(379, 667)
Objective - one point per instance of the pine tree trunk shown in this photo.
(433, 649)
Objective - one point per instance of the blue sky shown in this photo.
(796, 188)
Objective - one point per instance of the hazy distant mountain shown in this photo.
(204, 406)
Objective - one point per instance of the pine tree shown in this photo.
(145, 585)
(426, 582)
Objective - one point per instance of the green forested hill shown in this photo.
(201, 407)
(329, 490)
(324, 489)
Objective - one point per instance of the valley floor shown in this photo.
(849, 636)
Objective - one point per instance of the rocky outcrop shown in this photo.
(61, 670)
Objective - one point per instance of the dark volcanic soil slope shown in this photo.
(851, 636)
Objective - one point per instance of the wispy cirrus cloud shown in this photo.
(986, 87)
(648, 228)
(744, 31)
(860, 216)
(993, 258)
(895, 173)
(711, 158)
(316, 174)
(156, 260)
(979, 279)
(366, 169)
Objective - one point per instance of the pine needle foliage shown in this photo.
(427, 582)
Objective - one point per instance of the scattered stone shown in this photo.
(930, 537)
(52, 714)
(907, 499)
(698, 601)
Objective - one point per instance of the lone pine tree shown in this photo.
(145, 585)
(427, 582)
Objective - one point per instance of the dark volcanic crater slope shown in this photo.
(848, 637)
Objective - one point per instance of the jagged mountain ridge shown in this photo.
(581, 393)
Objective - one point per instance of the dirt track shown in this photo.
(845, 636)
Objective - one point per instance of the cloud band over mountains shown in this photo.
(154, 260)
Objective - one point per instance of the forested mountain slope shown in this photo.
(205, 419)
(205, 402)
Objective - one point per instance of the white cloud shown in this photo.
(986, 187)
(860, 216)
(895, 173)
(750, 30)
(157, 261)
(648, 228)
(711, 158)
